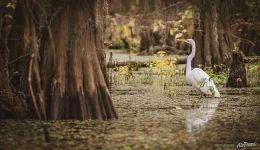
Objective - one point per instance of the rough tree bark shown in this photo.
(69, 64)
(212, 32)
(75, 84)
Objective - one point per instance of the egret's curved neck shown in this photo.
(189, 59)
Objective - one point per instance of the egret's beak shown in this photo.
(181, 40)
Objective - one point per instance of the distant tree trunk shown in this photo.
(6, 93)
(72, 68)
(19, 57)
(145, 42)
(5, 25)
(245, 27)
(212, 32)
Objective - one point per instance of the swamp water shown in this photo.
(149, 120)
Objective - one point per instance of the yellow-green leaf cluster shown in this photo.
(163, 67)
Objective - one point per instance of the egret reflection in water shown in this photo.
(199, 116)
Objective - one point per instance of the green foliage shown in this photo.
(146, 77)
(160, 74)
(218, 73)
(164, 71)
(253, 74)
(164, 68)
(123, 74)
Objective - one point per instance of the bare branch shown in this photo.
(18, 58)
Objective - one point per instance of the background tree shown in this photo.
(4, 52)
(212, 32)
(11, 102)
(245, 26)
(219, 24)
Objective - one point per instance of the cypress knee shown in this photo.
(237, 75)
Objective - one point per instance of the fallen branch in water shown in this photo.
(182, 60)
(139, 64)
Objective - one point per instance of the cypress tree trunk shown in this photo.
(212, 32)
(68, 68)
(74, 73)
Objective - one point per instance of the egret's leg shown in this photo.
(203, 94)
(193, 90)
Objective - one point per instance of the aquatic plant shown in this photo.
(253, 74)
(163, 69)
(219, 73)
(123, 74)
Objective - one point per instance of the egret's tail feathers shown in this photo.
(216, 94)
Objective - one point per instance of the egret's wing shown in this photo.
(198, 76)
(200, 79)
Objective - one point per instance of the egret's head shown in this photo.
(190, 41)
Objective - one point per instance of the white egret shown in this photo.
(197, 77)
